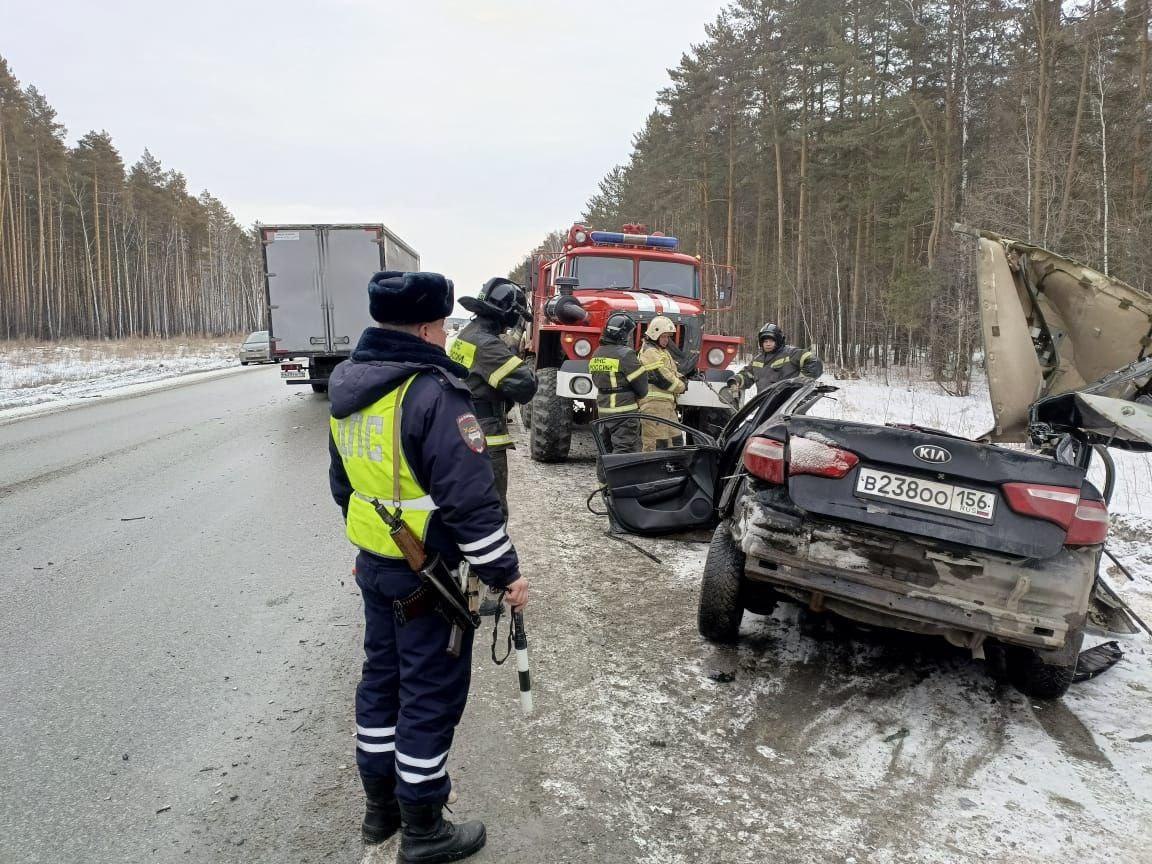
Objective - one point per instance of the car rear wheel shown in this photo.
(1043, 674)
(720, 607)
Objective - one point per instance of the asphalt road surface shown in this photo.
(180, 634)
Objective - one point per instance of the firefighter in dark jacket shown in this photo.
(621, 382)
(401, 409)
(496, 376)
(778, 361)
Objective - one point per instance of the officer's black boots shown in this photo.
(381, 811)
(429, 838)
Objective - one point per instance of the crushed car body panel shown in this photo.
(1051, 325)
(1115, 411)
(885, 579)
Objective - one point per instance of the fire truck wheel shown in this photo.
(526, 415)
(551, 418)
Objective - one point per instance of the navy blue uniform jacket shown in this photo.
(468, 523)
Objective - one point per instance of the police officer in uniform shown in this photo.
(778, 361)
(621, 382)
(400, 409)
(496, 376)
(664, 385)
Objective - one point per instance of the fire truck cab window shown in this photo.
(596, 272)
(669, 277)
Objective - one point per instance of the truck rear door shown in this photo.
(295, 302)
(350, 256)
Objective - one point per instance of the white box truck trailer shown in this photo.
(316, 279)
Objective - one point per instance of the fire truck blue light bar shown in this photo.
(634, 239)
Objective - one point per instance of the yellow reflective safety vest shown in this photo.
(369, 446)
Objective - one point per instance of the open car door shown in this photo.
(664, 491)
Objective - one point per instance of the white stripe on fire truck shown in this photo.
(643, 301)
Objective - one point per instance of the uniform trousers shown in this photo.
(411, 693)
(621, 436)
(656, 435)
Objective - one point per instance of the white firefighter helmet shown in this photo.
(659, 326)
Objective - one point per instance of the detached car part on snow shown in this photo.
(913, 528)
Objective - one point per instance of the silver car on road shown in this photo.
(256, 349)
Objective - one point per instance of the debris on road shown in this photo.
(1095, 660)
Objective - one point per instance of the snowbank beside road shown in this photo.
(37, 374)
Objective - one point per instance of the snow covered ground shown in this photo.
(34, 374)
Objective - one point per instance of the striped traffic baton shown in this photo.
(518, 641)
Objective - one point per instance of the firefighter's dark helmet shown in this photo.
(771, 331)
(500, 299)
(618, 329)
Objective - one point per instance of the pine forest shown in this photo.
(91, 249)
(826, 148)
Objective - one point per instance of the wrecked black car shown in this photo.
(917, 529)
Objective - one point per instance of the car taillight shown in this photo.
(806, 456)
(764, 458)
(1052, 503)
(1089, 525)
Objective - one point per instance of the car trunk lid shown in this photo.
(931, 485)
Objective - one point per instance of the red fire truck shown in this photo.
(643, 275)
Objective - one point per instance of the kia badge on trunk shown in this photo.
(931, 453)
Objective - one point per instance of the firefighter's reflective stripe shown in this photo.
(643, 370)
(498, 440)
(464, 353)
(506, 369)
(621, 410)
(655, 392)
(757, 364)
(805, 357)
(776, 364)
(364, 440)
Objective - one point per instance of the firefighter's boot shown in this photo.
(429, 838)
(381, 811)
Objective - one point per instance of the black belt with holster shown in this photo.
(425, 600)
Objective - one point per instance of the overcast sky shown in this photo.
(470, 128)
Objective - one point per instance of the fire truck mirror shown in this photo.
(719, 286)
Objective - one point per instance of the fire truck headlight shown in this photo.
(581, 385)
(716, 357)
(582, 347)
